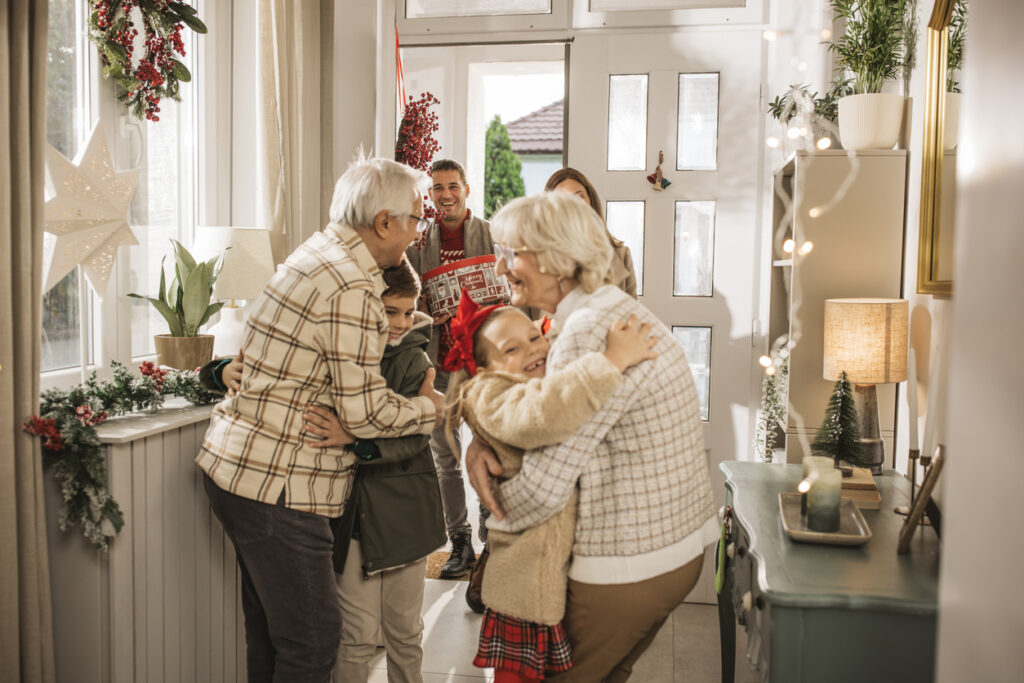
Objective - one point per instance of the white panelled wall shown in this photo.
(163, 605)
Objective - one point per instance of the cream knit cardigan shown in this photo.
(638, 466)
(527, 572)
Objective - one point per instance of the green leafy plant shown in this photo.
(872, 47)
(503, 179)
(185, 305)
(784, 107)
(839, 435)
(955, 49)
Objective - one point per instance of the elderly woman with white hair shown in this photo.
(645, 511)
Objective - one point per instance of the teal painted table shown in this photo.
(826, 613)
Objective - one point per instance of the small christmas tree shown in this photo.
(838, 435)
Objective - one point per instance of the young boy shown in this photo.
(393, 519)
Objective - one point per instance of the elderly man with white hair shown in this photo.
(316, 337)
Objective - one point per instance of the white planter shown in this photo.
(951, 121)
(870, 121)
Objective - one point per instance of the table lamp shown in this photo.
(866, 338)
(248, 267)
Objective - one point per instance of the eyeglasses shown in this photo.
(506, 253)
(421, 224)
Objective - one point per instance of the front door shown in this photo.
(694, 96)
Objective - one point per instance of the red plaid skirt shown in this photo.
(525, 648)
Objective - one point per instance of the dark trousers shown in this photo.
(292, 615)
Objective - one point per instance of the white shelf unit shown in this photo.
(857, 229)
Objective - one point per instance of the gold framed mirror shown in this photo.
(938, 164)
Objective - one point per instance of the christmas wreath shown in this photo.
(67, 423)
(115, 27)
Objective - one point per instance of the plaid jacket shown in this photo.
(316, 337)
(645, 499)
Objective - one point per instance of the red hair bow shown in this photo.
(466, 322)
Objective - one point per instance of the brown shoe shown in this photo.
(476, 581)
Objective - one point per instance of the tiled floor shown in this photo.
(686, 649)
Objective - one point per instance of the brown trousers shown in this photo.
(610, 626)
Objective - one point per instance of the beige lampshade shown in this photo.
(867, 338)
(248, 264)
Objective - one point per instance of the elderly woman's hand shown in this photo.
(481, 465)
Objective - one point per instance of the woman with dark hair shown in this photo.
(570, 180)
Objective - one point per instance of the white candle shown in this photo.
(823, 500)
(912, 398)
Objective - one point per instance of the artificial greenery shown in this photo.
(872, 47)
(955, 49)
(838, 435)
(771, 417)
(67, 423)
(910, 34)
(503, 179)
(192, 289)
(155, 72)
(784, 107)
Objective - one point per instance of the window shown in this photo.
(67, 124)
(693, 265)
(164, 204)
(696, 343)
(697, 123)
(626, 222)
(627, 122)
(421, 9)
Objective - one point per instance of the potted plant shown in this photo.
(186, 307)
(954, 62)
(872, 49)
(799, 102)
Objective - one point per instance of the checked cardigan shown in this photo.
(645, 499)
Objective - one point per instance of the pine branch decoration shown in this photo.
(838, 435)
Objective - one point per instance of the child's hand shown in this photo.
(629, 344)
(323, 423)
(231, 376)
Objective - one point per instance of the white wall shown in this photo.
(981, 615)
(355, 77)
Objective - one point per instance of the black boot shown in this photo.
(461, 559)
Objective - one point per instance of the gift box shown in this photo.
(443, 285)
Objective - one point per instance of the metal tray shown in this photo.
(853, 529)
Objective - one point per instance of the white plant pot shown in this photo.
(951, 121)
(870, 121)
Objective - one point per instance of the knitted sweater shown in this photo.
(526, 573)
(645, 499)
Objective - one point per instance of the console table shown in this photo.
(825, 613)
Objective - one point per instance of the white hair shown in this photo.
(566, 235)
(369, 186)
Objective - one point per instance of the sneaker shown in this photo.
(461, 558)
(475, 585)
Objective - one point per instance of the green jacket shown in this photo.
(395, 503)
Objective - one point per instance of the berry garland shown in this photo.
(67, 423)
(416, 144)
(156, 73)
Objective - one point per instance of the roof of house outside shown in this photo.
(539, 132)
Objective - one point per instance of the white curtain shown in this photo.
(26, 622)
(295, 53)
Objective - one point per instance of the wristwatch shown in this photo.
(364, 450)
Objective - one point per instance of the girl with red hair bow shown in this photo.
(500, 390)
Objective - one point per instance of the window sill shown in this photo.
(176, 413)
